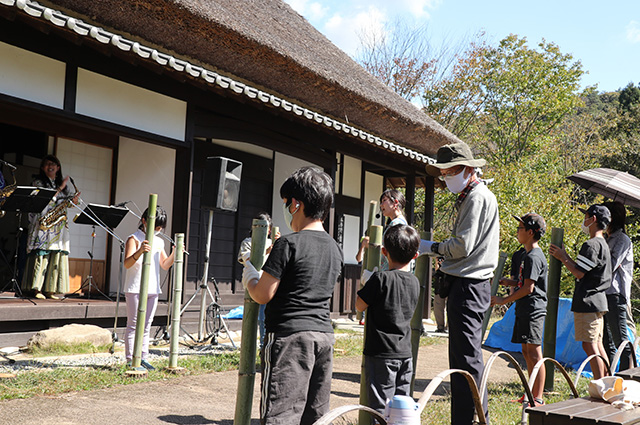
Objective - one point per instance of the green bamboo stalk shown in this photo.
(553, 296)
(373, 205)
(373, 261)
(495, 283)
(144, 283)
(247, 367)
(178, 275)
(423, 264)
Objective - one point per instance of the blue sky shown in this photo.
(603, 35)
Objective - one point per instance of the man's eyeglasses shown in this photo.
(450, 172)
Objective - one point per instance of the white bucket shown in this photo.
(402, 410)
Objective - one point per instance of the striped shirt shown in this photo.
(594, 260)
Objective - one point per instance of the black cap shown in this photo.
(533, 221)
(600, 212)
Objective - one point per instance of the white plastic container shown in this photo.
(402, 410)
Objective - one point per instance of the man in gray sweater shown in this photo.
(470, 257)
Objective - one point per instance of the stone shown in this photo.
(71, 334)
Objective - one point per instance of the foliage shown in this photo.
(520, 108)
(402, 56)
(457, 99)
(527, 94)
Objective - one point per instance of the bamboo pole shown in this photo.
(495, 283)
(553, 296)
(144, 283)
(175, 307)
(372, 211)
(423, 264)
(247, 367)
(373, 261)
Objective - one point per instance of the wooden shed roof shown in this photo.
(261, 49)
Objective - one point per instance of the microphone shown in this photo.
(121, 204)
(13, 167)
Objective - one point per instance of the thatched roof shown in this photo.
(268, 44)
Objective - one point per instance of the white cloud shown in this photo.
(344, 31)
(633, 32)
(341, 21)
(313, 11)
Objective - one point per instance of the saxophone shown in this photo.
(59, 213)
(6, 191)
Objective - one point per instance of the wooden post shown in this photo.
(553, 297)
(423, 266)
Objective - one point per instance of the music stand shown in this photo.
(106, 217)
(25, 199)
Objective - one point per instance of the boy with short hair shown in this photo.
(297, 284)
(592, 270)
(390, 298)
(530, 296)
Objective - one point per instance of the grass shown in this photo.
(349, 343)
(59, 349)
(51, 381)
(502, 410)
(69, 379)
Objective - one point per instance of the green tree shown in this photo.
(527, 94)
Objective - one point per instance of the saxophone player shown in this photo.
(47, 268)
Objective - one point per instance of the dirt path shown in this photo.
(206, 399)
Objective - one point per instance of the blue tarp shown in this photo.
(235, 313)
(568, 351)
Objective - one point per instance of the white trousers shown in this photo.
(132, 318)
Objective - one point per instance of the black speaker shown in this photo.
(221, 184)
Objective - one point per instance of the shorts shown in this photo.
(589, 326)
(528, 330)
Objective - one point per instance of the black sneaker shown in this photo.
(145, 364)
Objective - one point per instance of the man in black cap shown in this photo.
(592, 270)
(470, 257)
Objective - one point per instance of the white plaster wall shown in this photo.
(31, 76)
(373, 184)
(90, 167)
(143, 168)
(351, 241)
(284, 166)
(121, 103)
(352, 175)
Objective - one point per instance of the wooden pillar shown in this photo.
(429, 202)
(410, 197)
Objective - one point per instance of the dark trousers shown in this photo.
(296, 378)
(468, 301)
(616, 330)
(386, 378)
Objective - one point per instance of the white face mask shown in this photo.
(584, 228)
(288, 215)
(457, 182)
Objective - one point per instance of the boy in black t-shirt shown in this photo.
(390, 298)
(296, 284)
(592, 270)
(530, 296)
